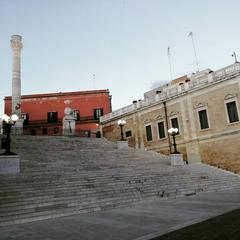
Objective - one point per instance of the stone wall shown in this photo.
(222, 152)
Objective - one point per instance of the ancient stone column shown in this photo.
(16, 44)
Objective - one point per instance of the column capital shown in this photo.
(16, 42)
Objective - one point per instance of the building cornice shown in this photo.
(104, 91)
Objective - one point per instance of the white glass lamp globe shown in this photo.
(173, 130)
(14, 117)
(121, 122)
(176, 130)
(170, 130)
(5, 118)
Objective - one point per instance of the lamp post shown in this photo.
(173, 132)
(8, 122)
(121, 123)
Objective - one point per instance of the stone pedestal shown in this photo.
(176, 159)
(9, 164)
(122, 144)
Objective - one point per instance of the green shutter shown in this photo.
(232, 112)
(149, 133)
(203, 119)
(175, 124)
(161, 130)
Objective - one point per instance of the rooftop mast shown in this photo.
(170, 63)
(194, 49)
(235, 57)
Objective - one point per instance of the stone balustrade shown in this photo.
(174, 90)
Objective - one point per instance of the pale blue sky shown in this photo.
(123, 42)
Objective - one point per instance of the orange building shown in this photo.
(43, 113)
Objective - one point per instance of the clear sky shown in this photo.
(123, 42)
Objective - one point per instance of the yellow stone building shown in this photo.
(205, 109)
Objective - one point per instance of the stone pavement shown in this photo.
(141, 221)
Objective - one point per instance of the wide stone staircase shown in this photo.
(62, 176)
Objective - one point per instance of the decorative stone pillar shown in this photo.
(16, 44)
(193, 151)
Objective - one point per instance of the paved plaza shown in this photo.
(141, 221)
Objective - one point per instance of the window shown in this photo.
(128, 133)
(52, 117)
(98, 113)
(76, 115)
(161, 130)
(203, 119)
(25, 118)
(149, 133)
(174, 122)
(232, 112)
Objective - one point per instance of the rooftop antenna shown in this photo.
(170, 63)
(194, 49)
(235, 57)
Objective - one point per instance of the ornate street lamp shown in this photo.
(173, 132)
(121, 123)
(7, 123)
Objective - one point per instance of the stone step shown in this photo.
(38, 185)
(36, 182)
(78, 175)
(88, 193)
(68, 208)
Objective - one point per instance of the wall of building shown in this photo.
(37, 107)
(217, 145)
